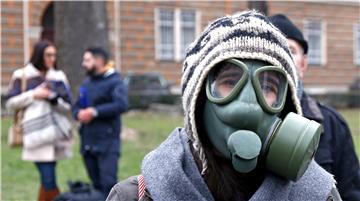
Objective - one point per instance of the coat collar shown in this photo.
(311, 109)
(107, 73)
(170, 173)
(31, 71)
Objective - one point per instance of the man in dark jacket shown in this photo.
(102, 98)
(336, 151)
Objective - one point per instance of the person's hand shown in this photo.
(86, 115)
(42, 92)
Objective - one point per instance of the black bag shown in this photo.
(80, 191)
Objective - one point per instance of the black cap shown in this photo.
(289, 30)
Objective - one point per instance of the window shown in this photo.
(357, 44)
(174, 30)
(188, 28)
(166, 28)
(315, 38)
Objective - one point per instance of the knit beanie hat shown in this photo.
(246, 35)
(284, 24)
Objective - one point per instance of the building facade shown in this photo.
(152, 36)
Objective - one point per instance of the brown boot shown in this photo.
(41, 195)
(51, 194)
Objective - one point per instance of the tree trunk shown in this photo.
(259, 6)
(78, 25)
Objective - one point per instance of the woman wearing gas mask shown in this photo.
(244, 136)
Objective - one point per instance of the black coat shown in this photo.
(336, 152)
(108, 95)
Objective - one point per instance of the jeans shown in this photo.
(102, 170)
(47, 174)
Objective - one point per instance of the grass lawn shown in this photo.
(352, 117)
(20, 179)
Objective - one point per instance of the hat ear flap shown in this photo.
(199, 113)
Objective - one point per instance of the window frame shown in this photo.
(157, 24)
(178, 34)
(356, 50)
(323, 40)
(183, 25)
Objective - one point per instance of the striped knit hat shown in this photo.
(246, 35)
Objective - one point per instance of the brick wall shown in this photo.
(12, 34)
(11, 38)
(136, 35)
(339, 70)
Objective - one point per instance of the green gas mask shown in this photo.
(242, 118)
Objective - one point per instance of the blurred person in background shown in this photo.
(102, 98)
(240, 105)
(336, 152)
(46, 122)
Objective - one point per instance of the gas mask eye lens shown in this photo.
(273, 86)
(225, 77)
(269, 82)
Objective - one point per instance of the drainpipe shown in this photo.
(117, 35)
(26, 31)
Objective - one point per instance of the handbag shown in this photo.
(15, 133)
(50, 128)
